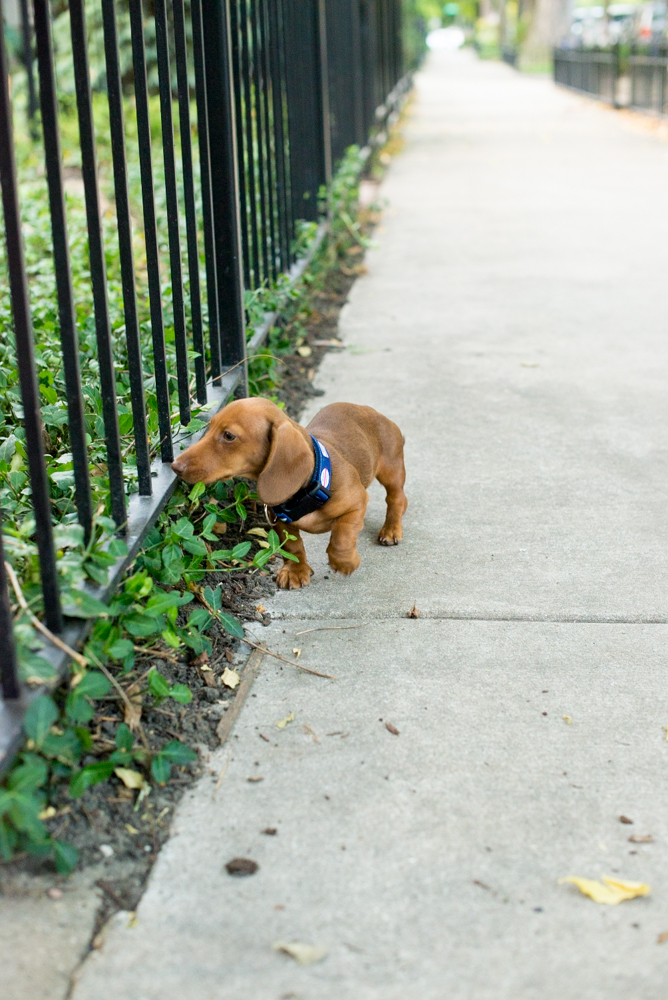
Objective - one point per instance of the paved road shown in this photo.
(513, 322)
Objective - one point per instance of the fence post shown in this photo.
(9, 678)
(224, 184)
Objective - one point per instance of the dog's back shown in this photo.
(362, 435)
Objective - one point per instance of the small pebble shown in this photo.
(106, 850)
(55, 893)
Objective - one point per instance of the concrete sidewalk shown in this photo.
(513, 322)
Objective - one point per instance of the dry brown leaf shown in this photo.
(230, 678)
(283, 722)
(130, 777)
(414, 612)
(219, 528)
(625, 819)
(239, 867)
(391, 729)
(309, 732)
(132, 711)
(254, 780)
(609, 891)
(638, 839)
(260, 608)
(303, 954)
(662, 938)
(201, 661)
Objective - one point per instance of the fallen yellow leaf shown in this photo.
(283, 723)
(304, 351)
(610, 891)
(130, 777)
(260, 532)
(47, 813)
(230, 678)
(131, 830)
(297, 652)
(567, 719)
(304, 954)
(662, 938)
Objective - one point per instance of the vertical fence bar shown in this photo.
(258, 121)
(239, 121)
(28, 63)
(117, 131)
(25, 354)
(9, 675)
(189, 196)
(324, 90)
(205, 180)
(227, 226)
(303, 78)
(165, 88)
(61, 259)
(269, 147)
(96, 259)
(275, 31)
(150, 231)
(251, 158)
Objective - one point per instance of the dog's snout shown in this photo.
(179, 466)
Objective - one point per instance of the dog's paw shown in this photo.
(390, 535)
(292, 576)
(345, 566)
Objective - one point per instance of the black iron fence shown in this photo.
(592, 72)
(622, 76)
(254, 103)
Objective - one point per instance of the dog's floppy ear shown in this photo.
(289, 464)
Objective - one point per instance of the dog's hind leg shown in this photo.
(392, 475)
(292, 575)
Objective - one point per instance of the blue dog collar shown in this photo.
(315, 494)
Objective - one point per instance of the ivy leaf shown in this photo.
(120, 649)
(196, 547)
(93, 685)
(91, 774)
(30, 775)
(117, 548)
(212, 597)
(39, 718)
(171, 554)
(183, 528)
(158, 685)
(196, 492)
(200, 618)
(65, 857)
(80, 604)
(178, 753)
(231, 624)
(165, 599)
(161, 769)
(181, 693)
(143, 625)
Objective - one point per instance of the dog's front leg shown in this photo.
(342, 548)
(292, 575)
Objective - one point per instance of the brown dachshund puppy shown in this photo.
(254, 439)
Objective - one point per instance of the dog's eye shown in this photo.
(228, 436)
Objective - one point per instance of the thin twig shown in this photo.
(292, 663)
(126, 701)
(222, 774)
(331, 628)
(201, 598)
(77, 657)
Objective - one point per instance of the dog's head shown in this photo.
(254, 439)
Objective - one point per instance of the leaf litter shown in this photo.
(609, 891)
(303, 954)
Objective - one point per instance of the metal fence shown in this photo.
(592, 72)
(623, 78)
(278, 90)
